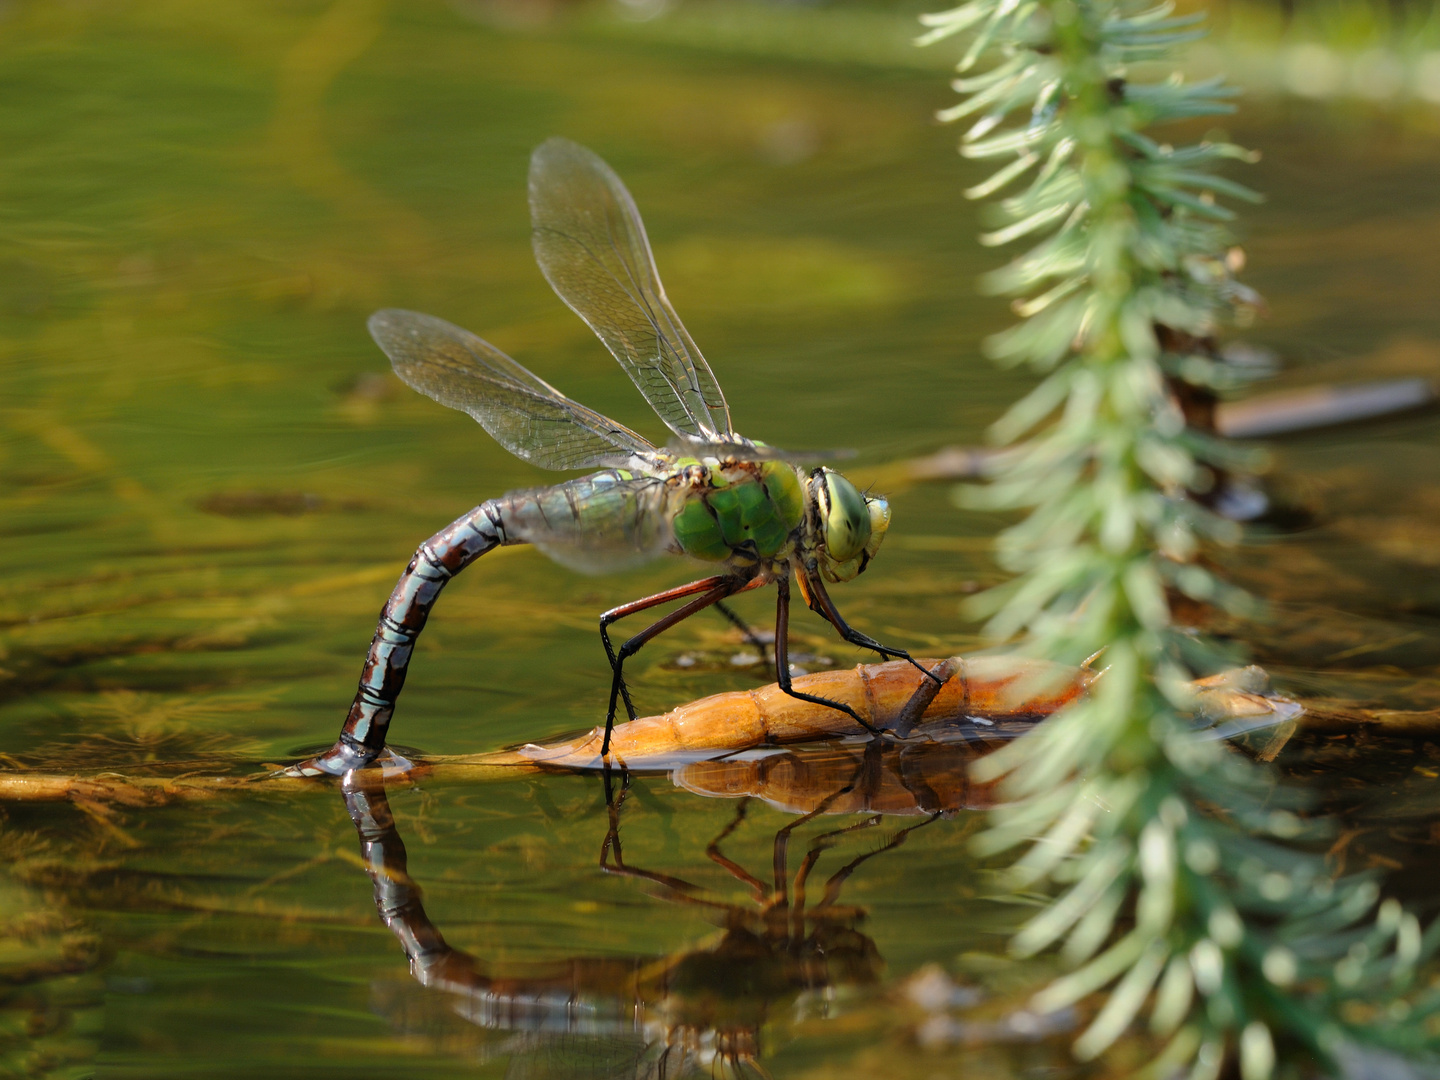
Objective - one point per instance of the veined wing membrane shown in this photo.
(521, 411)
(744, 450)
(591, 246)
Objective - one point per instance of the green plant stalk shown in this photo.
(1223, 927)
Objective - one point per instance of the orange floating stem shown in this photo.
(985, 693)
(988, 687)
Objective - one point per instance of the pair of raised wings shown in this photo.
(591, 246)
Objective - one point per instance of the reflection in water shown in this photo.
(699, 1009)
(878, 777)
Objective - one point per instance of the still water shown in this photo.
(209, 481)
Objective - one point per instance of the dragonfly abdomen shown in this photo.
(751, 508)
(436, 561)
(604, 521)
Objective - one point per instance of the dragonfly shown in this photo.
(752, 511)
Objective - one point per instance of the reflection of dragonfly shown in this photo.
(699, 1010)
(713, 494)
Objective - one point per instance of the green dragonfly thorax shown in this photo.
(750, 512)
(744, 511)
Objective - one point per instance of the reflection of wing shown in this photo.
(525, 414)
(578, 1057)
(591, 246)
(596, 523)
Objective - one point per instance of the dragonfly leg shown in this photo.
(436, 561)
(782, 659)
(718, 589)
(612, 855)
(738, 872)
(819, 602)
(746, 631)
(838, 879)
(612, 835)
(634, 607)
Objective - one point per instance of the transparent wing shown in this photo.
(744, 450)
(591, 246)
(523, 413)
(595, 524)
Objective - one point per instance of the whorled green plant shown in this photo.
(1186, 887)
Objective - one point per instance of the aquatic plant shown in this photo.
(1185, 881)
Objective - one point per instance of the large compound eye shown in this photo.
(879, 522)
(847, 518)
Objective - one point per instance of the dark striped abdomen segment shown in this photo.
(435, 562)
(603, 520)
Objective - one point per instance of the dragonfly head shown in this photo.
(851, 525)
